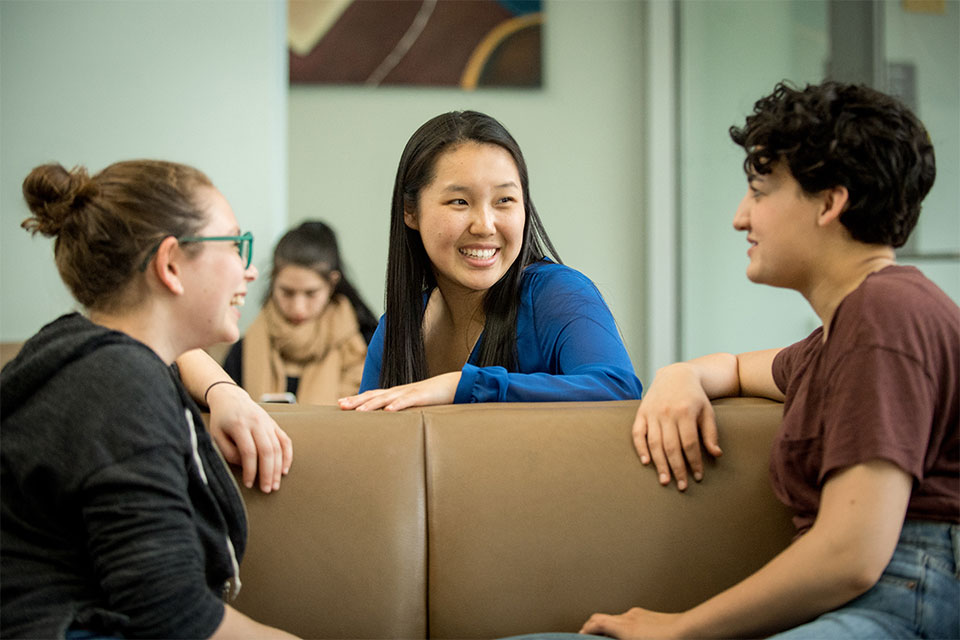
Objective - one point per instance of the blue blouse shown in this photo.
(568, 347)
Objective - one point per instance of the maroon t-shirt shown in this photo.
(885, 385)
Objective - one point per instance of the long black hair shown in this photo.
(313, 245)
(409, 271)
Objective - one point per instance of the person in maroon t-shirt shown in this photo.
(867, 455)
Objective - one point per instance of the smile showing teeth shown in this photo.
(238, 300)
(479, 254)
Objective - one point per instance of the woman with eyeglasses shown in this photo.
(119, 517)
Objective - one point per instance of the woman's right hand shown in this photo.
(674, 415)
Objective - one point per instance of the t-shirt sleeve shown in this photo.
(788, 359)
(782, 366)
(881, 406)
(575, 339)
(374, 360)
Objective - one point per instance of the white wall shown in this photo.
(581, 135)
(94, 81)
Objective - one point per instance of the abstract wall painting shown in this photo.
(470, 44)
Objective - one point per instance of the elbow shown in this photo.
(737, 382)
(858, 572)
(862, 576)
(852, 565)
(625, 386)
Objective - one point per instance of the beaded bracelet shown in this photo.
(212, 385)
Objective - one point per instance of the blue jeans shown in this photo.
(918, 595)
(83, 634)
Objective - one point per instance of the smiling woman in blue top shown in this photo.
(476, 312)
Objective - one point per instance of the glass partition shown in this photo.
(731, 52)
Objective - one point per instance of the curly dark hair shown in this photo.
(836, 134)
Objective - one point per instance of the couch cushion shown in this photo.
(539, 515)
(9, 351)
(339, 550)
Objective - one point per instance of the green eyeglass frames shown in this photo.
(244, 246)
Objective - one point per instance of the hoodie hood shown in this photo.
(65, 340)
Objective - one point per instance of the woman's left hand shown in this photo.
(635, 623)
(248, 436)
(439, 389)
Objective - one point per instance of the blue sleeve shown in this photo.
(374, 361)
(569, 348)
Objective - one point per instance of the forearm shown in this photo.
(496, 384)
(717, 374)
(724, 375)
(242, 429)
(198, 370)
(805, 580)
(237, 625)
(861, 513)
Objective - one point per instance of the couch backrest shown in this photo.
(9, 351)
(539, 516)
(482, 521)
(340, 550)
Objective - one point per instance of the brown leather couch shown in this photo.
(483, 521)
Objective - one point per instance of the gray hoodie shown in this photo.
(118, 515)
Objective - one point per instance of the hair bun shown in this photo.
(54, 195)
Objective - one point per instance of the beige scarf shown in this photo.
(326, 353)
